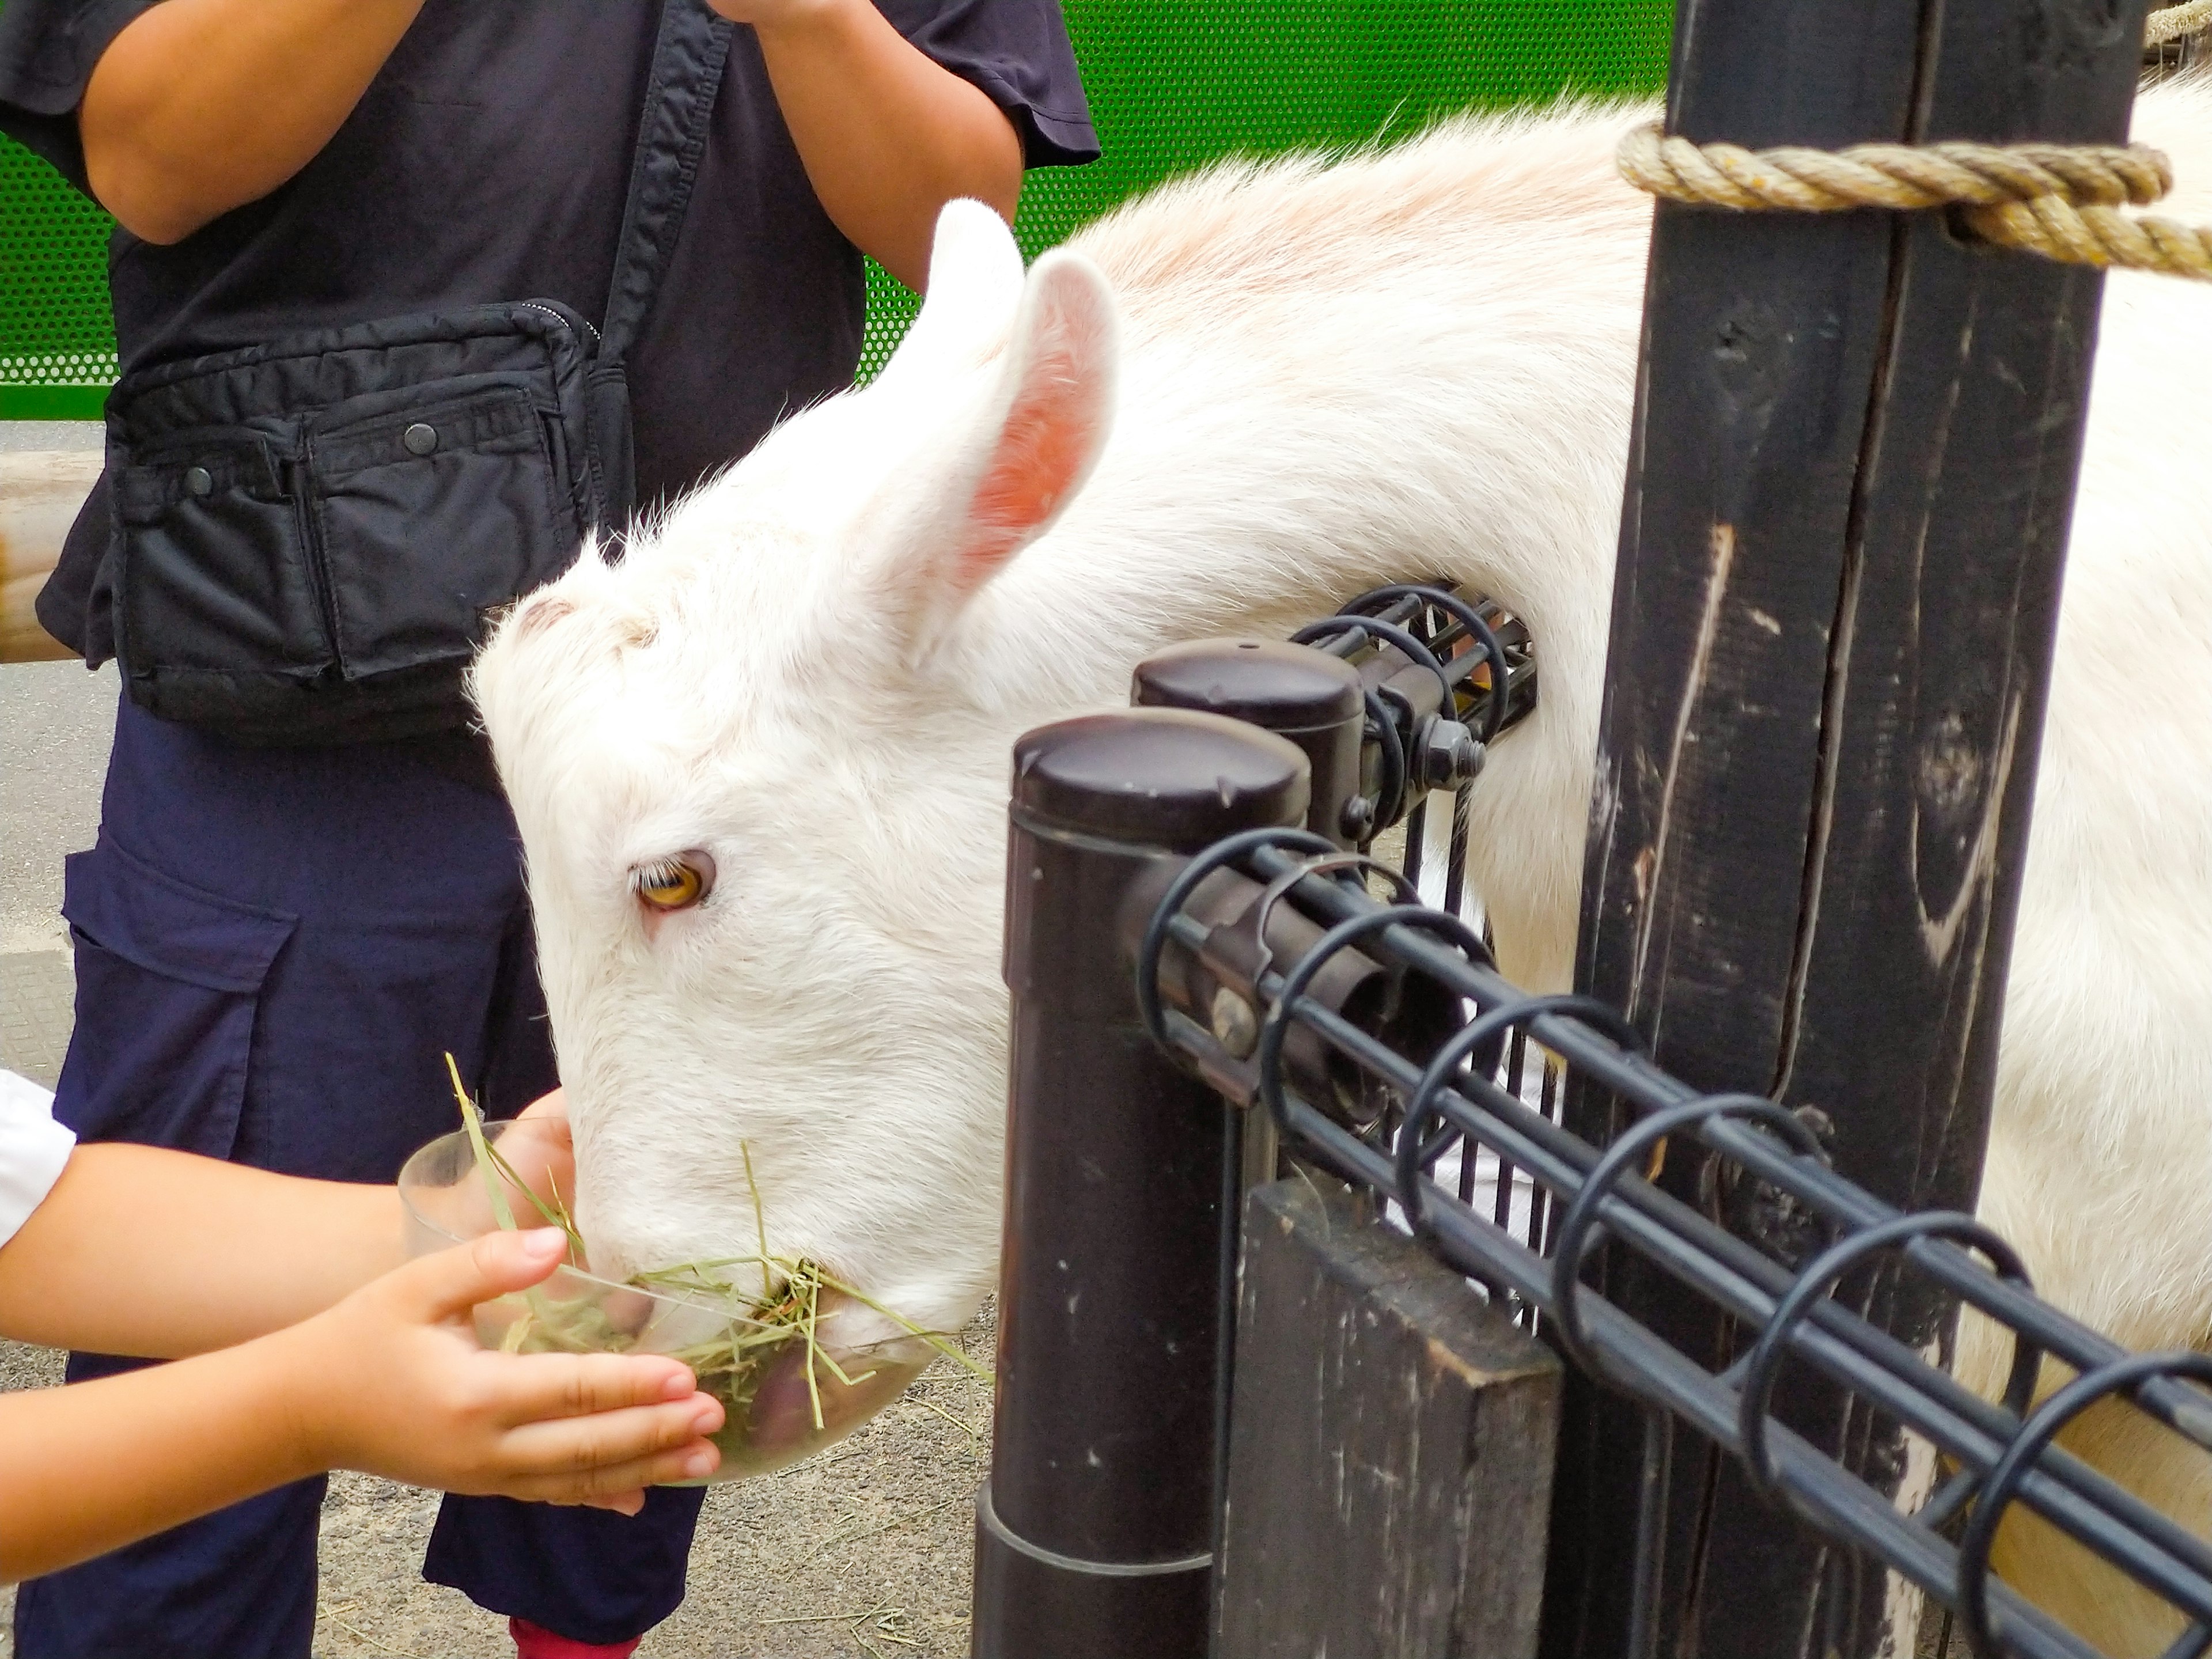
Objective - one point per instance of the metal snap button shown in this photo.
(198, 481)
(420, 438)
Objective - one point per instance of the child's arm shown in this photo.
(382, 1382)
(888, 136)
(141, 1250)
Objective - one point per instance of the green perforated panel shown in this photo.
(57, 339)
(1173, 83)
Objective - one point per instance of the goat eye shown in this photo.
(674, 883)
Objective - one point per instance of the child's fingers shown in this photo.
(620, 1486)
(535, 1388)
(447, 1284)
(608, 1455)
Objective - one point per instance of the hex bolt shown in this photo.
(1447, 754)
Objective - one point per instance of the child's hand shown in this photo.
(391, 1380)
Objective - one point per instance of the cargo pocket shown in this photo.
(431, 518)
(215, 582)
(168, 980)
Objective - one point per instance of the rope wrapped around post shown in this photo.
(2061, 201)
(2172, 22)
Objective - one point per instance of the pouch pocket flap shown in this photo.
(148, 489)
(133, 911)
(499, 421)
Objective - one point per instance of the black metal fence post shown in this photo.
(1853, 462)
(1315, 701)
(1312, 698)
(1095, 1534)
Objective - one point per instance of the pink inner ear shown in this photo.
(1041, 450)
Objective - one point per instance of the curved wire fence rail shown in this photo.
(1458, 1109)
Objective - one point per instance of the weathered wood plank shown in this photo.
(1854, 459)
(41, 491)
(1390, 1447)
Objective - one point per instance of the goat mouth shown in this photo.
(812, 1394)
(805, 1365)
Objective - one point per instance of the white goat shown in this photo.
(1220, 410)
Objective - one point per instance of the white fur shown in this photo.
(1414, 362)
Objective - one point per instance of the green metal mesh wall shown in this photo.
(57, 339)
(1173, 83)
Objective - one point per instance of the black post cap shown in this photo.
(1270, 683)
(1159, 777)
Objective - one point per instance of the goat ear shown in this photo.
(974, 285)
(1021, 458)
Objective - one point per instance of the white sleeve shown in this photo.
(33, 1149)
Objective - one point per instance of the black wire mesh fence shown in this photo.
(1468, 1146)
(1371, 1039)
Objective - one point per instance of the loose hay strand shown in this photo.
(472, 1121)
(760, 1216)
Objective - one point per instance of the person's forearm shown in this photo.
(888, 137)
(202, 105)
(195, 1253)
(90, 1467)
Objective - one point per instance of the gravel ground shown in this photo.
(862, 1551)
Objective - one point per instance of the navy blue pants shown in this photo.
(275, 949)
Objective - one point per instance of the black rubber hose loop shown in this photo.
(1274, 1027)
(1358, 865)
(1580, 1229)
(1397, 770)
(1487, 1030)
(1490, 1024)
(1470, 618)
(2006, 1475)
(1816, 1283)
(1218, 856)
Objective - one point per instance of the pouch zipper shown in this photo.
(580, 473)
(569, 323)
(296, 475)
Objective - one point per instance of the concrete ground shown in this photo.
(862, 1551)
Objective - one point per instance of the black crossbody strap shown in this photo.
(688, 56)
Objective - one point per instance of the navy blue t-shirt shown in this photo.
(489, 159)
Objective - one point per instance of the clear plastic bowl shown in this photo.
(772, 1382)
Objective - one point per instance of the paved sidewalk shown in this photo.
(862, 1551)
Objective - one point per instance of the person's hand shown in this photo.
(552, 1104)
(540, 1150)
(536, 1147)
(392, 1381)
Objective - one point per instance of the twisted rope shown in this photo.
(2061, 201)
(2172, 22)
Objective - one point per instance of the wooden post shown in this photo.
(1852, 466)
(41, 491)
(1390, 1447)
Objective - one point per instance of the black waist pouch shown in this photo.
(311, 537)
